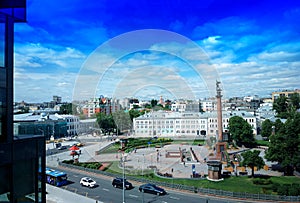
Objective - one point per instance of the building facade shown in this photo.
(101, 104)
(55, 125)
(186, 124)
(21, 158)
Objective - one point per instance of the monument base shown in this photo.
(220, 148)
(214, 170)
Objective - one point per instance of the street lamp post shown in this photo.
(123, 178)
(143, 165)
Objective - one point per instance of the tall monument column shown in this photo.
(220, 145)
(219, 111)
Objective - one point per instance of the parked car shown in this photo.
(87, 182)
(151, 188)
(62, 147)
(118, 182)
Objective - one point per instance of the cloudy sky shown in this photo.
(79, 49)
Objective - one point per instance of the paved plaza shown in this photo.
(164, 159)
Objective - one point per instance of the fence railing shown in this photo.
(205, 191)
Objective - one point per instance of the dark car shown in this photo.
(151, 188)
(118, 182)
(62, 147)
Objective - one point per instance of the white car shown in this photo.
(88, 182)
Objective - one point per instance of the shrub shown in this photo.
(71, 161)
(294, 190)
(260, 181)
(275, 187)
(283, 189)
(287, 189)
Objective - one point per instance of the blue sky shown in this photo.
(176, 49)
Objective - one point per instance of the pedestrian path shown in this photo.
(87, 153)
(58, 195)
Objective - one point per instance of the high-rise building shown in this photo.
(21, 158)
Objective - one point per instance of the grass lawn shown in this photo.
(263, 142)
(115, 147)
(233, 184)
(190, 142)
(112, 149)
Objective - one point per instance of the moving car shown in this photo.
(151, 188)
(118, 182)
(88, 182)
(79, 144)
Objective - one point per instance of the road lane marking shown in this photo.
(133, 196)
(105, 189)
(176, 198)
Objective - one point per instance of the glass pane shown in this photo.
(2, 42)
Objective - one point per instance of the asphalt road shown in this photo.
(105, 192)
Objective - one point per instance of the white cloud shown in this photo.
(37, 55)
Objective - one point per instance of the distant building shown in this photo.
(49, 124)
(265, 111)
(57, 99)
(88, 126)
(101, 104)
(208, 105)
(185, 106)
(286, 93)
(21, 158)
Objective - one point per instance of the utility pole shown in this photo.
(123, 178)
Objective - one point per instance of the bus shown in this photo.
(56, 178)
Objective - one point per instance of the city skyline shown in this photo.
(251, 47)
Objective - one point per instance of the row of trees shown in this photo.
(284, 146)
(284, 137)
(122, 120)
(119, 120)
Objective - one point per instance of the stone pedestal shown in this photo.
(214, 170)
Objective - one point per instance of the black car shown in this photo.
(118, 182)
(151, 188)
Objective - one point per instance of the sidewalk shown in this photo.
(58, 195)
(87, 153)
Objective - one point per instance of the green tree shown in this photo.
(285, 145)
(122, 120)
(266, 128)
(134, 114)
(147, 106)
(241, 131)
(279, 126)
(105, 122)
(281, 106)
(66, 109)
(252, 159)
(153, 102)
(295, 100)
